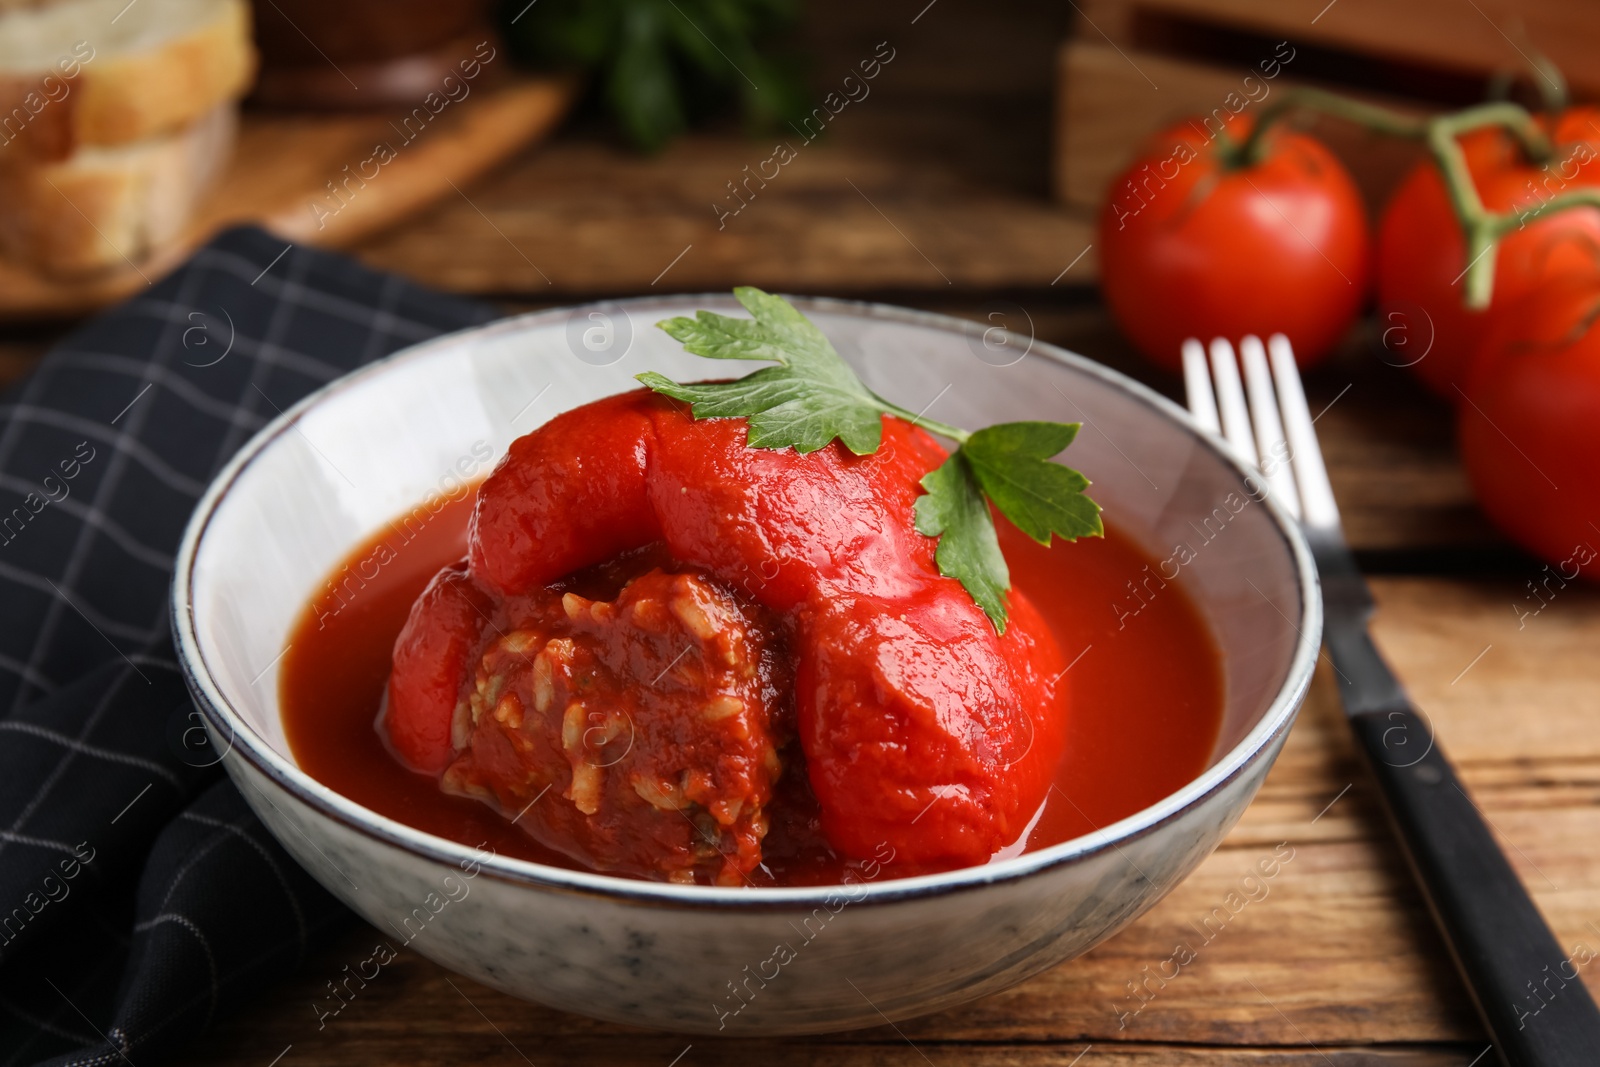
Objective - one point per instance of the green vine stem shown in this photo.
(1481, 227)
(1252, 149)
(1550, 82)
(1441, 134)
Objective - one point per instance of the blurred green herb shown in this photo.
(661, 64)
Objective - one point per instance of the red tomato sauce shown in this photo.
(1144, 684)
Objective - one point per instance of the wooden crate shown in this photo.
(1474, 39)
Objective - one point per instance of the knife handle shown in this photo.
(1527, 989)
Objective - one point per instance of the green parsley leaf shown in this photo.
(809, 399)
(953, 510)
(1011, 463)
(812, 397)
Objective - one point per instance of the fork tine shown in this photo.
(1230, 400)
(1269, 429)
(1197, 387)
(1317, 505)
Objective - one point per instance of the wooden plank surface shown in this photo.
(934, 192)
(880, 204)
(1336, 959)
(935, 178)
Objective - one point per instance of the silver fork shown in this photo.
(1500, 943)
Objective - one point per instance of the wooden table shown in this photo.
(1339, 964)
(932, 193)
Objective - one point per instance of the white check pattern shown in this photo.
(139, 897)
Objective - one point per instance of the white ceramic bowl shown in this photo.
(368, 447)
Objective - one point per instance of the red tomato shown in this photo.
(1529, 423)
(1422, 253)
(1190, 248)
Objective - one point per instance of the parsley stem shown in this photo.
(943, 429)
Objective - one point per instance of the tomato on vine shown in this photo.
(1422, 252)
(1529, 421)
(1215, 233)
(1496, 240)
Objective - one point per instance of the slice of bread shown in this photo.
(108, 208)
(110, 72)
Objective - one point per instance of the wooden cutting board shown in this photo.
(279, 178)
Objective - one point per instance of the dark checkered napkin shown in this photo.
(139, 898)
